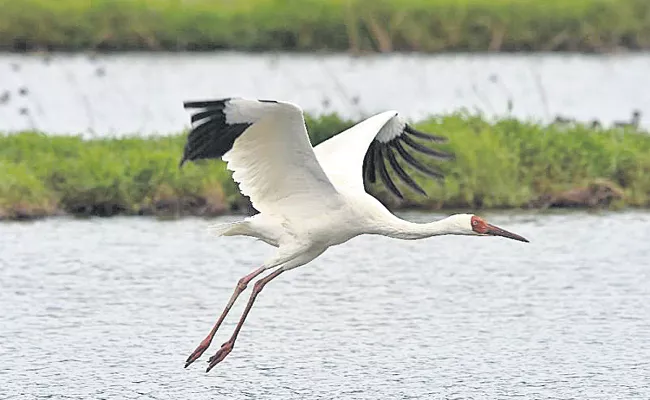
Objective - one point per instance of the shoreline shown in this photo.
(506, 164)
(28, 216)
(598, 196)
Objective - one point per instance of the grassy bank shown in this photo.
(507, 164)
(308, 25)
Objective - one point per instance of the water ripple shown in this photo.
(110, 308)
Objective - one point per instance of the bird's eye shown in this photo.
(475, 222)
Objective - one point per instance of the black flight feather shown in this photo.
(401, 173)
(427, 136)
(218, 104)
(369, 163)
(383, 173)
(415, 163)
(423, 149)
(211, 136)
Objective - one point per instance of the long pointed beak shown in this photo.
(496, 231)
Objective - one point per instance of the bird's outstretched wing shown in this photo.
(369, 149)
(265, 144)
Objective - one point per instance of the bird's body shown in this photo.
(310, 199)
(334, 227)
(357, 215)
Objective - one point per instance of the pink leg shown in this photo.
(241, 286)
(227, 347)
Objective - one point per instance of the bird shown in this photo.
(5, 97)
(560, 120)
(633, 123)
(311, 198)
(595, 124)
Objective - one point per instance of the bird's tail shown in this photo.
(230, 229)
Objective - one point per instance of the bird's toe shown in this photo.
(197, 353)
(219, 356)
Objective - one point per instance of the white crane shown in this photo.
(310, 198)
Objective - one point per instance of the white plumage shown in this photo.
(342, 155)
(290, 180)
(311, 198)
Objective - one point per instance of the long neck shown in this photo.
(398, 228)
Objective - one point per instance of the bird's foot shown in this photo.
(225, 349)
(198, 352)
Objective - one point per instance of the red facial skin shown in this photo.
(479, 225)
(483, 228)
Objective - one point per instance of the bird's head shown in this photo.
(469, 224)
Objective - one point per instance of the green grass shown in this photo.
(510, 163)
(308, 25)
(506, 164)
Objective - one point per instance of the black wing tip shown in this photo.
(438, 154)
(392, 160)
(211, 135)
(219, 103)
(423, 135)
(369, 164)
(383, 173)
(413, 162)
(379, 151)
(206, 103)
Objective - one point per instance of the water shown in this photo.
(143, 93)
(110, 308)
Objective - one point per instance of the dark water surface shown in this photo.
(142, 93)
(110, 309)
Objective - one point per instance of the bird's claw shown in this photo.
(225, 349)
(197, 353)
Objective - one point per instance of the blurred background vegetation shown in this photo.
(332, 25)
(504, 164)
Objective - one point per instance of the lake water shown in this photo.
(143, 93)
(110, 309)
